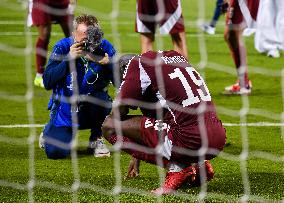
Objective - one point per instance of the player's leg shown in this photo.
(132, 136)
(66, 24)
(173, 24)
(145, 23)
(210, 28)
(179, 43)
(234, 39)
(57, 141)
(217, 13)
(149, 133)
(41, 51)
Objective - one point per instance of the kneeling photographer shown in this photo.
(81, 66)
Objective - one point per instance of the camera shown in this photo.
(86, 46)
(94, 38)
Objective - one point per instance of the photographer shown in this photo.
(78, 66)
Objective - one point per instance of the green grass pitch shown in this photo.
(89, 179)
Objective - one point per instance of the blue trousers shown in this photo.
(58, 138)
(217, 13)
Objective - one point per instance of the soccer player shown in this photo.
(42, 14)
(165, 13)
(81, 64)
(179, 127)
(240, 14)
(219, 10)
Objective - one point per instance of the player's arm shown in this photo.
(225, 6)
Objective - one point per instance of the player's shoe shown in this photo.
(209, 174)
(101, 149)
(38, 81)
(274, 53)
(208, 29)
(174, 180)
(238, 90)
(41, 141)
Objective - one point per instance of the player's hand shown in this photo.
(76, 50)
(224, 6)
(104, 60)
(133, 168)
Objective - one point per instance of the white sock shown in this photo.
(38, 74)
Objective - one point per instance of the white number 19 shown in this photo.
(191, 98)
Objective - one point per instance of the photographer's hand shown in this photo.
(76, 50)
(104, 60)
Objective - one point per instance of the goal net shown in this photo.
(249, 169)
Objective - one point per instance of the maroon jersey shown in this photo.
(167, 79)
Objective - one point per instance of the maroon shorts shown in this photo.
(241, 10)
(182, 144)
(44, 12)
(169, 16)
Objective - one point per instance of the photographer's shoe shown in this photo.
(41, 141)
(38, 81)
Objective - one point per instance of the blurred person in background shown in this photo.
(165, 13)
(269, 36)
(240, 14)
(42, 14)
(220, 8)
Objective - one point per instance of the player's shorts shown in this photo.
(182, 144)
(242, 12)
(43, 12)
(168, 14)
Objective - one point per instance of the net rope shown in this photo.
(116, 37)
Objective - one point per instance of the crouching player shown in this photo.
(81, 65)
(179, 127)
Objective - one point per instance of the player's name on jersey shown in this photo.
(174, 59)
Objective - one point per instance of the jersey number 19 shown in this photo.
(191, 98)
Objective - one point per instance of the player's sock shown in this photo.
(41, 53)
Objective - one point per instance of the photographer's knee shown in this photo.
(53, 152)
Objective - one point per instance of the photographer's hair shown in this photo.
(85, 19)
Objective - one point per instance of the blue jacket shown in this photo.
(92, 79)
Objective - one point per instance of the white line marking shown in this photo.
(134, 34)
(22, 126)
(258, 124)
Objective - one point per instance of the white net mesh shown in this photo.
(117, 19)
